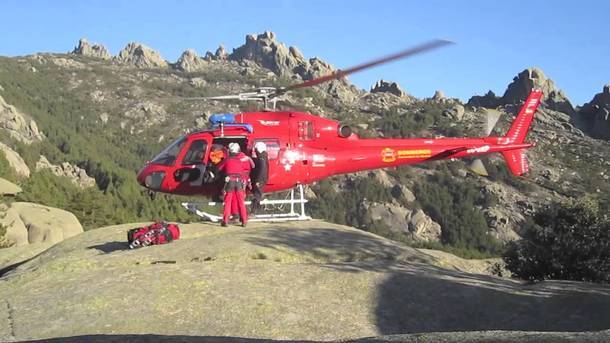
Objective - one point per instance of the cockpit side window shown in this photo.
(196, 152)
(168, 156)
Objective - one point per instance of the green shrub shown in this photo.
(452, 204)
(566, 241)
(401, 122)
(347, 207)
(499, 172)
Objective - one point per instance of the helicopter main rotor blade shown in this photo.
(222, 97)
(341, 73)
(241, 97)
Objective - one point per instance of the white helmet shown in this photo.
(260, 147)
(234, 148)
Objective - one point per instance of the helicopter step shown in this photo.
(292, 215)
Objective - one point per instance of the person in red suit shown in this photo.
(237, 167)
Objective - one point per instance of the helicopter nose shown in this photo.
(141, 176)
(151, 178)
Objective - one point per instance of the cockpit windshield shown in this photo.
(168, 156)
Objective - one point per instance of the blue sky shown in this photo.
(569, 40)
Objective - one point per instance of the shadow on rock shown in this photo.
(109, 247)
(12, 267)
(434, 301)
(333, 246)
(156, 338)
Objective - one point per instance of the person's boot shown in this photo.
(255, 206)
(223, 224)
(243, 224)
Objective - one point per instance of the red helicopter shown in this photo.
(305, 148)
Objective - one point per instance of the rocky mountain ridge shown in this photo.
(268, 53)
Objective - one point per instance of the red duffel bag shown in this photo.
(153, 234)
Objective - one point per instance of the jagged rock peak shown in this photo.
(264, 50)
(220, 54)
(140, 56)
(189, 61)
(489, 100)
(599, 101)
(86, 49)
(438, 96)
(315, 68)
(383, 86)
(553, 98)
(596, 114)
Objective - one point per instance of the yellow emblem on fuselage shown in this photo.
(388, 155)
(418, 153)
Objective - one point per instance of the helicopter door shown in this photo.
(273, 152)
(193, 164)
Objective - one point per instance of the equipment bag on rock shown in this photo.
(156, 233)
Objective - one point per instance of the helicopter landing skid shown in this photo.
(293, 215)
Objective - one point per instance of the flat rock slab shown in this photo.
(9, 188)
(296, 281)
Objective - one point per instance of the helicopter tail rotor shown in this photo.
(491, 119)
(477, 167)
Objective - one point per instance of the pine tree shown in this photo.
(568, 241)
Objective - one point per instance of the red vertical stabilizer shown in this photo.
(518, 130)
(516, 159)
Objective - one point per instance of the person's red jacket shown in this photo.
(239, 164)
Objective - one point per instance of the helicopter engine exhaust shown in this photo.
(344, 131)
